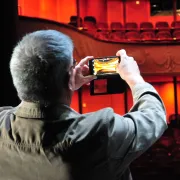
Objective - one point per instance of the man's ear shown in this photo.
(71, 83)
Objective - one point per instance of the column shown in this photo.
(174, 10)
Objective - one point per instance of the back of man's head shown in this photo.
(39, 65)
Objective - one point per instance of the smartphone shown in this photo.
(104, 66)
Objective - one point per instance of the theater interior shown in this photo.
(149, 30)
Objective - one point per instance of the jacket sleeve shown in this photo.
(132, 134)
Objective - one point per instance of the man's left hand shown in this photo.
(80, 74)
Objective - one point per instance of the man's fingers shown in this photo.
(89, 78)
(121, 52)
(78, 70)
(85, 70)
(85, 60)
(123, 56)
(131, 58)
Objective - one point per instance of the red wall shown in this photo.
(98, 9)
(94, 103)
(46, 9)
(114, 11)
(103, 10)
(57, 10)
(75, 102)
(65, 9)
(137, 12)
(29, 8)
(163, 85)
(134, 12)
(166, 92)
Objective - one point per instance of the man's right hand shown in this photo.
(128, 69)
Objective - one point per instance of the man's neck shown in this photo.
(66, 99)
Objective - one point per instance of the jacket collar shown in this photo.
(32, 110)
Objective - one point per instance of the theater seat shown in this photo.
(160, 157)
(163, 36)
(148, 36)
(131, 26)
(176, 153)
(102, 31)
(141, 166)
(90, 24)
(146, 26)
(90, 19)
(132, 35)
(176, 35)
(176, 160)
(162, 25)
(102, 26)
(166, 142)
(102, 35)
(175, 24)
(74, 21)
(117, 36)
(176, 134)
(116, 26)
(173, 118)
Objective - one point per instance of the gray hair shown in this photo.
(39, 65)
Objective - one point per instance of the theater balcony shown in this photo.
(155, 57)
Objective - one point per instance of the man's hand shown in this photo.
(128, 69)
(80, 74)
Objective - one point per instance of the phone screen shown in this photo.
(105, 65)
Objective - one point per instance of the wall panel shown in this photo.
(29, 8)
(48, 9)
(115, 11)
(117, 103)
(137, 12)
(65, 9)
(166, 92)
(98, 9)
(75, 102)
(94, 103)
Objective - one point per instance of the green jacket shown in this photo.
(57, 143)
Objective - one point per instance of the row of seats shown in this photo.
(130, 31)
(129, 26)
(162, 160)
(120, 36)
(165, 151)
(89, 22)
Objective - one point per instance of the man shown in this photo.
(44, 139)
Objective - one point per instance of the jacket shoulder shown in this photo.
(5, 113)
(100, 117)
(90, 125)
